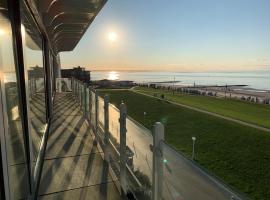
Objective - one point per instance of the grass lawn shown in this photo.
(258, 114)
(237, 154)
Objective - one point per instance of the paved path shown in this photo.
(210, 113)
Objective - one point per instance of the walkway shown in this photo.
(74, 167)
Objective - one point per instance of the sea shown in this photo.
(259, 80)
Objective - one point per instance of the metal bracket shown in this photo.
(156, 150)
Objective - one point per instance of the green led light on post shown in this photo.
(165, 161)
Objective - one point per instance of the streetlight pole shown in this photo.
(144, 118)
(226, 87)
(193, 147)
(173, 84)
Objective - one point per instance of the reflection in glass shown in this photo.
(34, 73)
(15, 149)
(139, 139)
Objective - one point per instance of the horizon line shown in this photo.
(178, 71)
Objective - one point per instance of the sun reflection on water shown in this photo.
(113, 75)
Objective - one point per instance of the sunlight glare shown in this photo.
(112, 36)
(113, 76)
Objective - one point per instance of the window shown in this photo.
(13, 140)
(34, 73)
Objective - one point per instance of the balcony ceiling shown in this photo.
(67, 20)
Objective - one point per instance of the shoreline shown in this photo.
(258, 80)
(241, 92)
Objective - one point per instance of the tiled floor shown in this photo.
(74, 167)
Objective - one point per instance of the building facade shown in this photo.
(32, 33)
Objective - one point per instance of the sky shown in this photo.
(176, 35)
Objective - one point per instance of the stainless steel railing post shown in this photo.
(82, 91)
(157, 183)
(123, 159)
(96, 115)
(90, 107)
(72, 84)
(85, 100)
(76, 90)
(79, 93)
(106, 127)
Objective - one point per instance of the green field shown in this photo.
(237, 154)
(249, 112)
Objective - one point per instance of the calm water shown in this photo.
(257, 80)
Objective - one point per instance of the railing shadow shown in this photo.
(74, 130)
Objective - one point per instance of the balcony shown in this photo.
(95, 151)
(74, 166)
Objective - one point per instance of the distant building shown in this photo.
(77, 72)
(36, 72)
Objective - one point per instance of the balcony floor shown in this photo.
(74, 167)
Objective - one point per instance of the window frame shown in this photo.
(33, 173)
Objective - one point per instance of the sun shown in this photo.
(112, 36)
